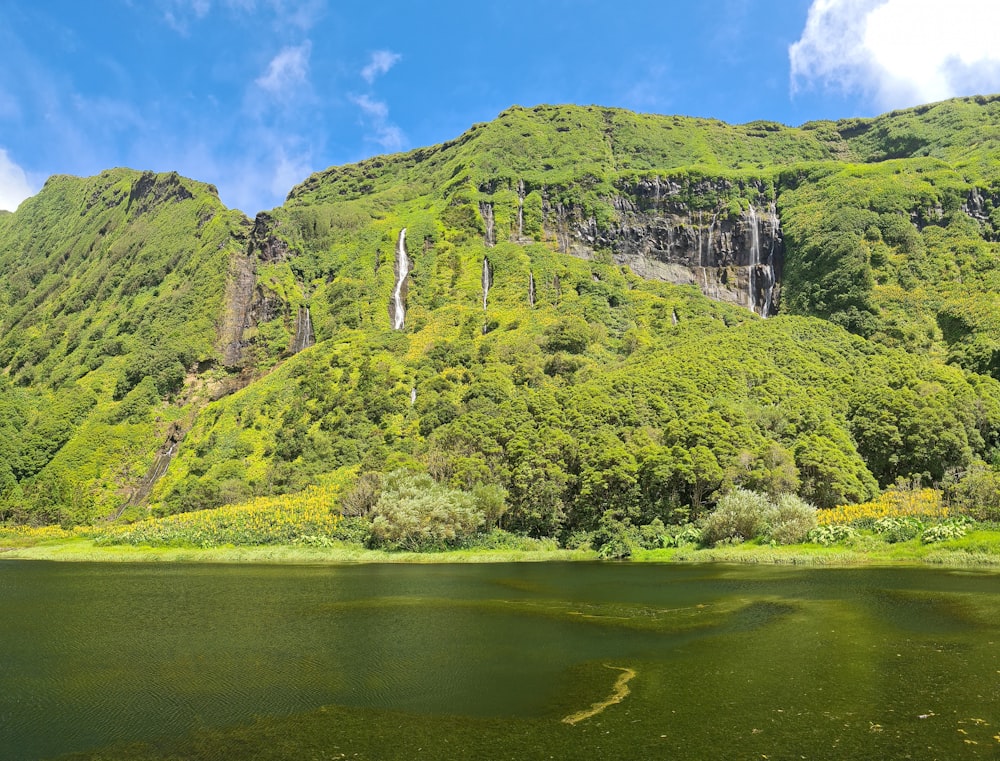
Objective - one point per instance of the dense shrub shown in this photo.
(353, 530)
(678, 536)
(651, 535)
(569, 334)
(361, 498)
(977, 493)
(739, 515)
(498, 539)
(742, 515)
(952, 528)
(793, 521)
(414, 512)
(578, 540)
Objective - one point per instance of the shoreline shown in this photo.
(85, 550)
(80, 550)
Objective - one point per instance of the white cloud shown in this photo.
(389, 136)
(288, 171)
(177, 12)
(373, 109)
(287, 72)
(379, 63)
(375, 115)
(650, 91)
(899, 52)
(199, 8)
(14, 185)
(302, 14)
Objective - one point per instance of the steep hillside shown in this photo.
(903, 248)
(111, 293)
(887, 226)
(559, 311)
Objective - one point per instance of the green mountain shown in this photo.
(565, 311)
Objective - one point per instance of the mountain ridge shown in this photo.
(157, 347)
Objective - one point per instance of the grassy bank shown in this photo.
(901, 527)
(77, 549)
(958, 554)
(978, 549)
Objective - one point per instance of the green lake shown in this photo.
(497, 661)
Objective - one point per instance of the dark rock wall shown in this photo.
(731, 248)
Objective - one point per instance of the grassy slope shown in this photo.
(111, 289)
(594, 392)
(901, 245)
(749, 393)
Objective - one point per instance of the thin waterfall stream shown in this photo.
(754, 258)
(304, 337)
(770, 274)
(487, 280)
(402, 272)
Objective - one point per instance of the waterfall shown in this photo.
(402, 271)
(771, 278)
(520, 209)
(711, 226)
(754, 258)
(413, 395)
(304, 337)
(701, 255)
(161, 462)
(487, 280)
(486, 212)
(673, 317)
(531, 289)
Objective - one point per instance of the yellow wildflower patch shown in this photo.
(39, 533)
(895, 503)
(265, 520)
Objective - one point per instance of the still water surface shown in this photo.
(485, 661)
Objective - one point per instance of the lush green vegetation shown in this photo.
(417, 520)
(582, 404)
(110, 293)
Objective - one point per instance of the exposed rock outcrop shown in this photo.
(730, 246)
(267, 246)
(980, 205)
(151, 189)
(239, 297)
(247, 303)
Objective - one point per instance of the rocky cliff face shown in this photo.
(981, 206)
(723, 237)
(248, 303)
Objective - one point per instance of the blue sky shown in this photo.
(254, 95)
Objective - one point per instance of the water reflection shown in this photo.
(769, 660)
